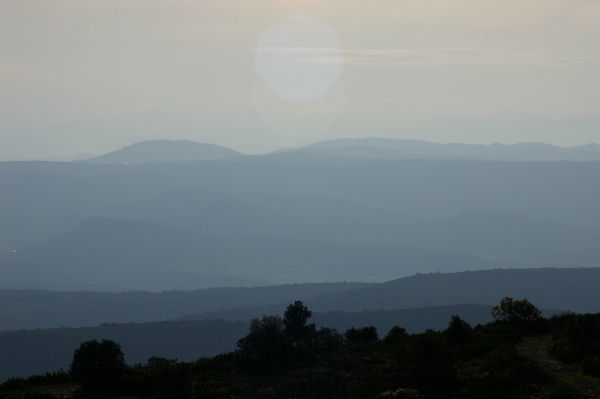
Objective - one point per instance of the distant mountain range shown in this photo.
(157, 151)
(240, 244)
(549, 288)
(162, 216)
(110, 254)
(296, 216)
(383, 148)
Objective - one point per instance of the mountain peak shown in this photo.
(159, 151)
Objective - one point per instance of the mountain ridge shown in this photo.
(412, 149)
(549, 288)
(161, 151)
(573, 289)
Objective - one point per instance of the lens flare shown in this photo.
(299, 59)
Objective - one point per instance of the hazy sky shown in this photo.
(88, 76)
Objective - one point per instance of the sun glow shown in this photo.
(299, 59)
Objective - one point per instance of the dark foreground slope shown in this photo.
(30, 352)
(518, 356)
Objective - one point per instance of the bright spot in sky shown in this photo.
(299, 59)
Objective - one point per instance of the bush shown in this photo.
(591, 365)
(578, 341)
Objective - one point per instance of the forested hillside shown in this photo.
(519, 355)
(188, 340)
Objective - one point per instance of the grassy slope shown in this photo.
(536, 348)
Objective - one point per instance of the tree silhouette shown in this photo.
(99, 366)
(275, 343)
(265, 346)
(458, 331)
(515, 310)
(295, 318)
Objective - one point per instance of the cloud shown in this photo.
(430, 56)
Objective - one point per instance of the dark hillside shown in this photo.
(27, 309)
(519, 355)
(572, 289)
(562, 289)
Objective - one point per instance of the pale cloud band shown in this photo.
(94, 75)
(430, 56)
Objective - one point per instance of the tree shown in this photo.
(266, 345)
(274, 342)
(515, 310)
(458, 331)
(295, 318)
(99, 366)
(328, 340)
(361, 336)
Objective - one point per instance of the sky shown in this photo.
(87, 77)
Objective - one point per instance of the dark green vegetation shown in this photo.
(189, 340)
(99, 366)
(420, 302)
(36, 351)
(577, 342)
(520, 355)
(515, 310)
(292, 216)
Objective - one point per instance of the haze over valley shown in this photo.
(299, 199)
(179, 215)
